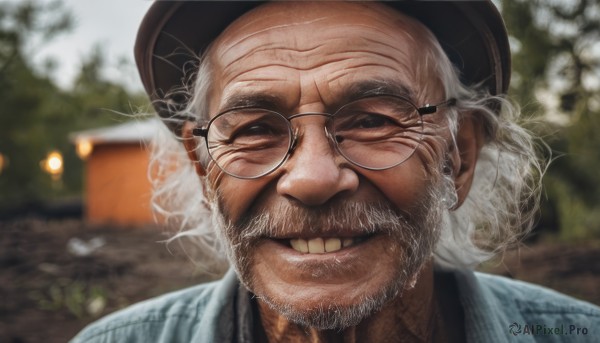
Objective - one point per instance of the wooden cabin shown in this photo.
(116, 185)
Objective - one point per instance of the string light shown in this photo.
(3, 162)
(84, 148)
(53, 164)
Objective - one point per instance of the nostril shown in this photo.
(339, 138)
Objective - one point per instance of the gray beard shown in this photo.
(416, 234)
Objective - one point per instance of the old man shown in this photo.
(350, 161)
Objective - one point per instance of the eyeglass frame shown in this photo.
(293, 135)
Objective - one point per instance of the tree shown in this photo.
(556, 57)
(23, 94)
(37, 116)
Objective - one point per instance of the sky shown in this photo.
(112, 24)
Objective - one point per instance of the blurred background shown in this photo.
(77, 239)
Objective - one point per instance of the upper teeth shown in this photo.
(320, 245)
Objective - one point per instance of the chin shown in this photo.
(326, 313)
(328, 292)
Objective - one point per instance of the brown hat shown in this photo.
(172, 33)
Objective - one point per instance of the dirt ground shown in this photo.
(57, 276)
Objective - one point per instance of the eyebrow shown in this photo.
(355, 91)
(257, 100)
(368, 88)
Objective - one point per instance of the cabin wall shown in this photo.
(117, 187)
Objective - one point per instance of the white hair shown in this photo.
(499, 209)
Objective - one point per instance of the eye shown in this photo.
(371, 121)
(360, 120)
(256, 129)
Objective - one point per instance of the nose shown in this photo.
(315, 173)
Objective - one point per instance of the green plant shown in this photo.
(76, 297)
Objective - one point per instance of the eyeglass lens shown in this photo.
(374, 133)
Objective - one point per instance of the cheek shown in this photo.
(405, 184)
(436, 133)
(236, 196)
(433, 150)
(402, 185)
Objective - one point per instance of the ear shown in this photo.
(191, 147)
(469, 140)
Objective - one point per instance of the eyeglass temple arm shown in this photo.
(199, 132)
(429, 109)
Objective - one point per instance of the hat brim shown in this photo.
(173, 33)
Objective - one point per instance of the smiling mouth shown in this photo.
(321, 245)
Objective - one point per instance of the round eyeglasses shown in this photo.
(375, 133)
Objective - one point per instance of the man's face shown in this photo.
(380, 226)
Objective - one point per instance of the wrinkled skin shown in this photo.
(312, 58)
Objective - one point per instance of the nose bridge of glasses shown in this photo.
(296, 131)
(307, 114)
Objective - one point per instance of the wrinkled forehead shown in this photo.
(272, 22)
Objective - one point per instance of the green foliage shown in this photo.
(37, 116)
(80, 300)
(556, 52)
(528, 61)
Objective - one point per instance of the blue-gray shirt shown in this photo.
(496, 309)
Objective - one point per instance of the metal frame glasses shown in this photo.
(376, 132)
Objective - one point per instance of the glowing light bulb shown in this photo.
(53, 164)
(84, 148)
(3, 162)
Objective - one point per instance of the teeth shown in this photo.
(316, 246)
(300, 245)
(320, 245)
(333, 244)
(347, 242)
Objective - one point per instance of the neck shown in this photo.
(410, 317)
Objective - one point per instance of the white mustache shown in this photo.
(345, 218)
